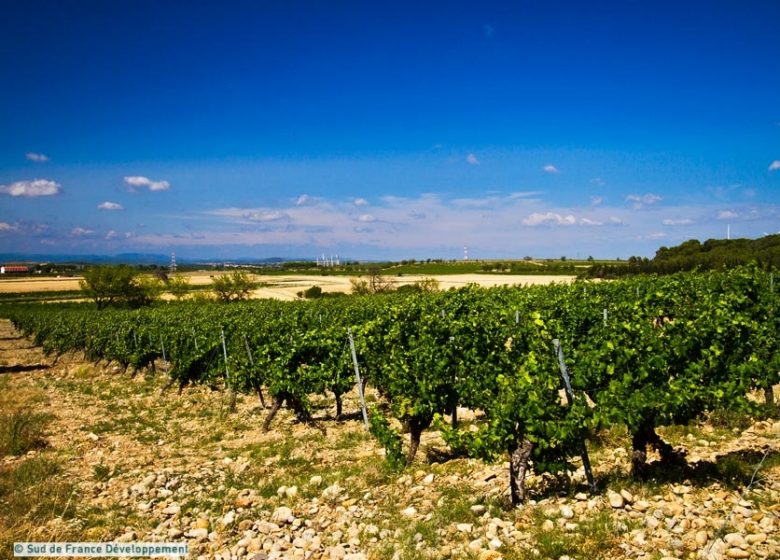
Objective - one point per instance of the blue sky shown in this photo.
(386, 130)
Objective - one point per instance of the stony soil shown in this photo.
(148, 466)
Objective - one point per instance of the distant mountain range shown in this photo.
(129, 258)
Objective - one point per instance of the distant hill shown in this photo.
(713, 253)
(127, 258)
(122, 258)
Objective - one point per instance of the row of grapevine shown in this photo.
(642, 352)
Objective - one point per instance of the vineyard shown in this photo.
(641, 353)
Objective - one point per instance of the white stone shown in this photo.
(283, 515)
(411, 511)
(229, 518)
(615, 500)
(172, 509)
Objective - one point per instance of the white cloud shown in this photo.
(598, 181)
(37, 187)
(775, 165)
(549, 218)
(81, 232)
(137, 181)
(643, 200)
(524, 194)
(303, 200)
(5, 226)
(678, 222)
(39, 158)
(472, 159)
(653, 236)
(439, 224)
(596, 200)
(265, 216)
(111, 234)
(551, 169)
(360, 202)
(727, 215)
(110, 206)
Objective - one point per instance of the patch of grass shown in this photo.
(743, 419)
(104, 523)
(690, 434)
(595, 537)
(351, 439)
(32, 493)
(609, 438)
(103, 472)
(140, 422)
(742, 468)
(22, 431)
(729, 419)
(455, 506)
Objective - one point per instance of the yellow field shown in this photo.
(286, 287)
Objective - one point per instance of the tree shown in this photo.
(315, 292)
(376, 283)
(235, 286)
(178, 286)
(117, 285)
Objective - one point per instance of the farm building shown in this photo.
(14, 269)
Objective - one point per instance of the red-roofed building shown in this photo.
(14, 269)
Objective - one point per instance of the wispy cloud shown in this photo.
(491, 224)
(136, 182)
(110, 206)
(524, 194)
(559, 219)
(471, 159)
(596, 200)
(5, 226)
(37, 187)
(775, 165)
(36, 157)
(81, 232)
(360, 202)
(549, 218)
(598, 181)
(267, 216)
(551, 169)
(727, 215)
(639, 201)
(303, 200)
